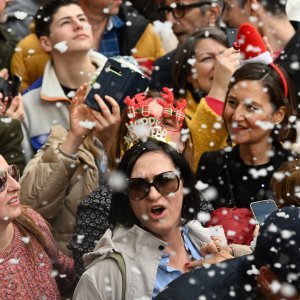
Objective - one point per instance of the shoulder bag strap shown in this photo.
(118, 258)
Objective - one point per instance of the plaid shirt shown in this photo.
(109, 44)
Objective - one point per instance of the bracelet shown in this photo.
(71, 156)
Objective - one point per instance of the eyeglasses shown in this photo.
(178, 10)
(165, 183)
(11, 171)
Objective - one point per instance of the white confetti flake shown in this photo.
(191, 61)
(31, 51)
(275, 286)
(25, 239)
(106, 10)
(258, 173)
(14, 261)
(287, 234)
(6, 120)
(279, 176)
(217, 125)
(203, 217)
(71, 94)
(117, 181)
(265, 125)
(62, 46)
(96, 85)
(295, 65)
(192, 281)
(145, 217)
(21, 15)
(210, 193)
(231, 233)
(200, 186)
(87, 124)
(54, 273)
(288, 290)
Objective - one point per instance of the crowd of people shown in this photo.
(153, 200)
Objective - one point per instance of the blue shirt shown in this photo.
(109, 44)
(166, 274)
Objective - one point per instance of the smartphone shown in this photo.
(262, 209)
(117, 79)
(15, 85)
(231, 35)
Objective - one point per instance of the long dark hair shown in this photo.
(182, 69)
(269, 79)
(121, 212)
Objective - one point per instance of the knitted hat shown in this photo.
(252, 47)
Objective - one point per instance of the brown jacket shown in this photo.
(54, 184)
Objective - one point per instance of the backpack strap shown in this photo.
(118, 258)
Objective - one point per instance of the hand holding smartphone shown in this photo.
(262, 209)
(117, 79)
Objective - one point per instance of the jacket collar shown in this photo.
(51, 89)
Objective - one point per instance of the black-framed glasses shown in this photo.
(178, 10)
(165, 183)
(11, 171)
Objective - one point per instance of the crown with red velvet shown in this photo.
(252, 47)
(138, 106)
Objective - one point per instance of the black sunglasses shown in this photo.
(165, 183)
(11, 171)
(178, 10)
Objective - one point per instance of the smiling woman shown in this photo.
(259, 114)
(27, 247)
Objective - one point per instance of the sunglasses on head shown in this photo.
(165, 183)
(11, 171)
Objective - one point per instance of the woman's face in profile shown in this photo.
(206, 52)
(160, 214)
(9, 194)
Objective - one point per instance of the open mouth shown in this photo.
(13, 201)
(157, 210)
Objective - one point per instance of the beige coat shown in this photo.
(54, 184)
(142, 253)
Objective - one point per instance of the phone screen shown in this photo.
(231, 35)
(15, 85)
(262, 209)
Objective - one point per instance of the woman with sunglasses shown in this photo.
(30, 263)
(148, 115)
(151, 216)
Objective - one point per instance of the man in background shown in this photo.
(187, 17)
